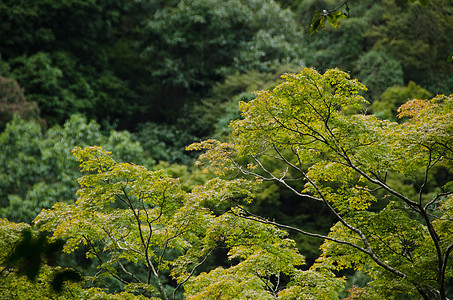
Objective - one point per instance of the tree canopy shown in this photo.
(377, 178)
(319, 185)
(121, 62)
(127, 215)
(343, 159)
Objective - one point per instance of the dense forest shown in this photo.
(226, 149)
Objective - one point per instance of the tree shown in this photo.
(25, 271)
(13, 101)
(378, 72)
(423, 50)
(125, 62)
(71, 56)
(401, 240)
(141, 227)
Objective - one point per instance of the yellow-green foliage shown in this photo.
(312, 124)
(127, 215)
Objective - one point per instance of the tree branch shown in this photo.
(191, 273)
(367, 250)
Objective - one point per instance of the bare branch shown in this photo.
(281, 180)
(145, 245)
(438, 196)
(382, 184)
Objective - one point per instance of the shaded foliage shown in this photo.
(195, 44)
(125, 62)
(411, 38)
(61, 53)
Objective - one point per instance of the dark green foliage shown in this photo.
(408, 37)
(132, 61)
(213, 114)
(420, 39)
(62, 53)
(19, 158)
(166, 142)
(64, 275)
(61, 87)
(195, 44)
(231, 113)
(331, 10)
(337, 47)
(378, 71)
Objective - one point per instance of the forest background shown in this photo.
(144, 79)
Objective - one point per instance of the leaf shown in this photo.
(318, 22)
(333, 21)
(450, 57)
(333, 18)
